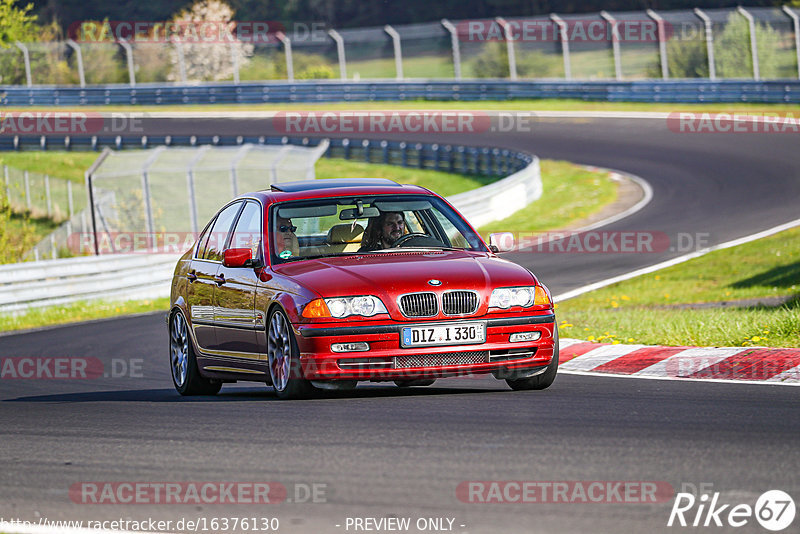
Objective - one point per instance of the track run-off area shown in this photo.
(383, 452)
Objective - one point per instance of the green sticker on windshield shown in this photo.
(285, 254)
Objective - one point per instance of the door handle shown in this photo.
(191, 276)
(219, 279)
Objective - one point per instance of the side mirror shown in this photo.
(501, 242)
(239, 257)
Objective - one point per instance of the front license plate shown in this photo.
(443, 334)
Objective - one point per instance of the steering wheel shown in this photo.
(408, 237)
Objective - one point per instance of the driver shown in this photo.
(286, 244)
(383, 231)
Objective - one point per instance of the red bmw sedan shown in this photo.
(325, 283)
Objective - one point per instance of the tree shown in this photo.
(16, 23)
(208, 61)
(732, 54)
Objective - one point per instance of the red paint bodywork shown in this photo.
(292, 285)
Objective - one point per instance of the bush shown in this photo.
(493, 63)
(732, 55)
(272, 66)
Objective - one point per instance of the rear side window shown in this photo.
(248, 229)
(219, 232)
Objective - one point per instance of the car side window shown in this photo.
(219, 232)
(248, 229)
(202, 242)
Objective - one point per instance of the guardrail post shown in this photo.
(235, 62)
(403, 154)
(512, 58)
(79, 60)
(193, 219)
(436, 156)
(564, 36)
(420, 156)
(456, 47)
(398, 51)
(346, 148)
(462, 157)
(47, 195)
(751, 22)
(662, 42)
(90, 196)
(70, 201)
(27, 58)
(612, 22)
(796, 23)
(287, 49)
(181, 59)
(340, 53)
(712, 70)
(239, 156)
(148, 206)
(27, 180)
(129, 55)
(450, 159)
(385, 152)
(365, 144)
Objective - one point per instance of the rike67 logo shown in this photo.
(774, 510)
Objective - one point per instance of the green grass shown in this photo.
(648, 309)
(413, 67)
(485, 105)
(78, 311)
(562, 179)
(444, 183)
(63, 164)
(570, 193)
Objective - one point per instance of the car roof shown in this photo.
(331, 187)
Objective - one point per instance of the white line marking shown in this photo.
(789, 376)
(597, 357)
(717, 380)
(674, 261)
(690, 361)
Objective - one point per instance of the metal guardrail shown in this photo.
(125, 277)
(497, 201)
(686, 91)
(53, 282)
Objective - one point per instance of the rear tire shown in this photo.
(544, 380)
(417, 382)
(284, 359)
(183, 362)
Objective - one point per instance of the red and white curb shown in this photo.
(718, 364)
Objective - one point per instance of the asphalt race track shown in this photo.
(381, 451)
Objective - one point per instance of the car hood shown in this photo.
(392, 274)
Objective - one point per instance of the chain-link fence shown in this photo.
(171, 190)
(41, 195)
(759, 43)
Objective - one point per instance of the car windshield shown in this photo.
(366, 224)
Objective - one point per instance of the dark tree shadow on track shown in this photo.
(249, 394)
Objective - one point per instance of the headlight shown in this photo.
(506, 297)
(366, 306)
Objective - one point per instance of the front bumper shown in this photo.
(387, 360)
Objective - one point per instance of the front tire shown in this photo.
(544, 380)
(183, 362)
(284, 359)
